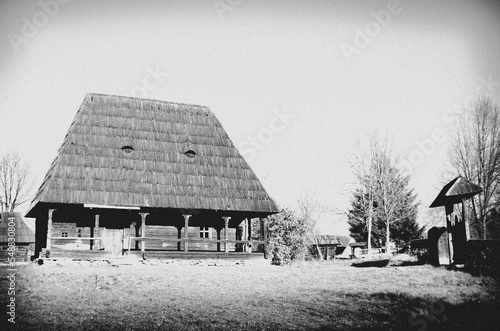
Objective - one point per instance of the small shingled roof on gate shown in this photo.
(456, 190)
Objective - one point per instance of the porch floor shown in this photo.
(161, 255)
(197, 255)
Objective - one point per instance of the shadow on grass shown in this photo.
(391, 311)
(294, 307)
(331, 311)
(379, 263)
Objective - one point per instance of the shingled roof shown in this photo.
(456, 190)
(23, 234)
(123, 151)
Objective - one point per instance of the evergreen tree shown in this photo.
(384, 196)
(403, 229)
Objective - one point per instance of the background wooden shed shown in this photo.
(24, 237)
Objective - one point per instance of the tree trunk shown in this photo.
(370, 230)
(319, 252)
(485, 235)
(388, 238)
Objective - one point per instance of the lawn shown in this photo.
(306, 296)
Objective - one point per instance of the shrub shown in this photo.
(482, 260)
(422, 255)
(287, 237)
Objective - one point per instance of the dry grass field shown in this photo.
(305, 296)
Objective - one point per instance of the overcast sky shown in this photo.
(294, 83)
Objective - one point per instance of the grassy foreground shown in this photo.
(307, 296)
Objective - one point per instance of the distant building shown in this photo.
(23, 237)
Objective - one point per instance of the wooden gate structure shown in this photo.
(453, 196)
(133, 174)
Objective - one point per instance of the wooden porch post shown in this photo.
(226, 228)
(218, 230)
(130, 232)
(265, 235)
(49, 233)
(143, 231)
(96, 232)
(136, 225)
(249, 232)
(245, 235)
(91, 236)
(179, 236)
(186, 232)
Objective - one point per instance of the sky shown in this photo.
(294, 83)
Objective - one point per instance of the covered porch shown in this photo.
(111, 231)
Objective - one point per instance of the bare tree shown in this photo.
(14, 182)
(363, 169)
(434, 217)
(389, 189)
(475, 155)
(311, 210)
(383, 188)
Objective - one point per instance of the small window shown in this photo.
(190, 154)
(64, 234)
(127, 149)
(205, 232)
(79, 232)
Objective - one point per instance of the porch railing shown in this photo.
(193, 240)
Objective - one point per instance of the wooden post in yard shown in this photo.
(186, 232)
(96, 232)
(466, 221)
(226, 227)
(448, 211)
(143, 232)
(49, 233)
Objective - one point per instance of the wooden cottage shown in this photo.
(17, 240)
(146, 177)
(323, 246)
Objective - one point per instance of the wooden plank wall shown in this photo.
(22, 253)
(154, 231)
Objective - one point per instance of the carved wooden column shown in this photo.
(186, 232)
(179, 236)
(97, 233)
(244, 235)
(136, 225)
(49, 233)
(91, 236)
(218, 230)
(249, 236)
(226, 228)
(143, 231)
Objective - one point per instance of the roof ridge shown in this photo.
(145, 99)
